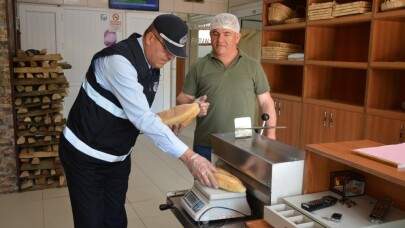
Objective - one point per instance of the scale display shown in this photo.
(193, 202)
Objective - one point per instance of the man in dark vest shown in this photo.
(111, 109)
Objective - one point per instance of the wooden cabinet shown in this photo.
(289, 115)
(382, 181)
(354, 66)
(323, 124)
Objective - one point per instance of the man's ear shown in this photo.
(148, 38)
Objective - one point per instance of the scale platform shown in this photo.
(204, 203)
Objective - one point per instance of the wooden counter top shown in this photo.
(382, 180)
(341, 152)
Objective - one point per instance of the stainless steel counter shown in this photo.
(269, 169)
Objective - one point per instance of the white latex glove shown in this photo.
(202, 170)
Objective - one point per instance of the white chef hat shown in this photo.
(225, 21)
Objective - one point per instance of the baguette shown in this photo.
(228, 181)
(180, 114)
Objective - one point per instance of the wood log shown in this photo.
(50, 180)
(39, 75)
(20, 140)
(48, 138)
(56, 96)
(43, 51)
(24, 173)
(31, 140)
(53, 87)
(61, 180)
(35, 161)
(57, 69)
(58, 128)
(54, 75)
(18, 101)
(33, 129)
(27, 119)
(38, 154)
(45, 64)
(37, 172)
(53, 63)
(29, 75)
(57, 118)
(28, 100)
(40, 181)
(38, 119)
(29, 89)
(45, 106)
(27, 184)
(21, 127)
(20, 88)
(36, 100)
(42, 88)
(21, 75)
(46, 172)
(33, 64)
(22, 110)
(46, 99)
(47, 119)
(25, 160)
(53, 172)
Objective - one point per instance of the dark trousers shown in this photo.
(97, 189)
(204, 151)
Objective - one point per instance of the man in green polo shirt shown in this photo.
(228, 84)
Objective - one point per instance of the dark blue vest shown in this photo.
(97, 127)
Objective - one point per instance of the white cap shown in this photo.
(225, 21)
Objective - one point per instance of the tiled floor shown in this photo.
(153, 174)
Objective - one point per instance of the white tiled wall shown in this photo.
(208, 7)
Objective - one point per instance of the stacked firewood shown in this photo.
(39, 89)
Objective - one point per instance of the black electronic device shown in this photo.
(325, 201)
(380, 210)
(336, 217)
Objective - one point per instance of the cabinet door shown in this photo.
(321, 124)
(384, 130)
(345, 125)
(315, 128)
(289, 115)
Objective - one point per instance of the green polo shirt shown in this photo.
(231, 92)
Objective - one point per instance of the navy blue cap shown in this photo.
(174, 32)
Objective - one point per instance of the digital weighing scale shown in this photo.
(204, 203)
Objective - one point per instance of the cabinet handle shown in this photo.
(331, 120)
(275, 106)
(279, 108)
(324, 119)
(401, 131)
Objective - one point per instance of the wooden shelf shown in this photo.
(353, 66)
(341, 64)
(283, 62)
(342, 21)
(283, 27)
(388, 65)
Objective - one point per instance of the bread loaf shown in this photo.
(180, 114)
(228, 181)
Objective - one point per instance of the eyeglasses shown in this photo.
(163, 44)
